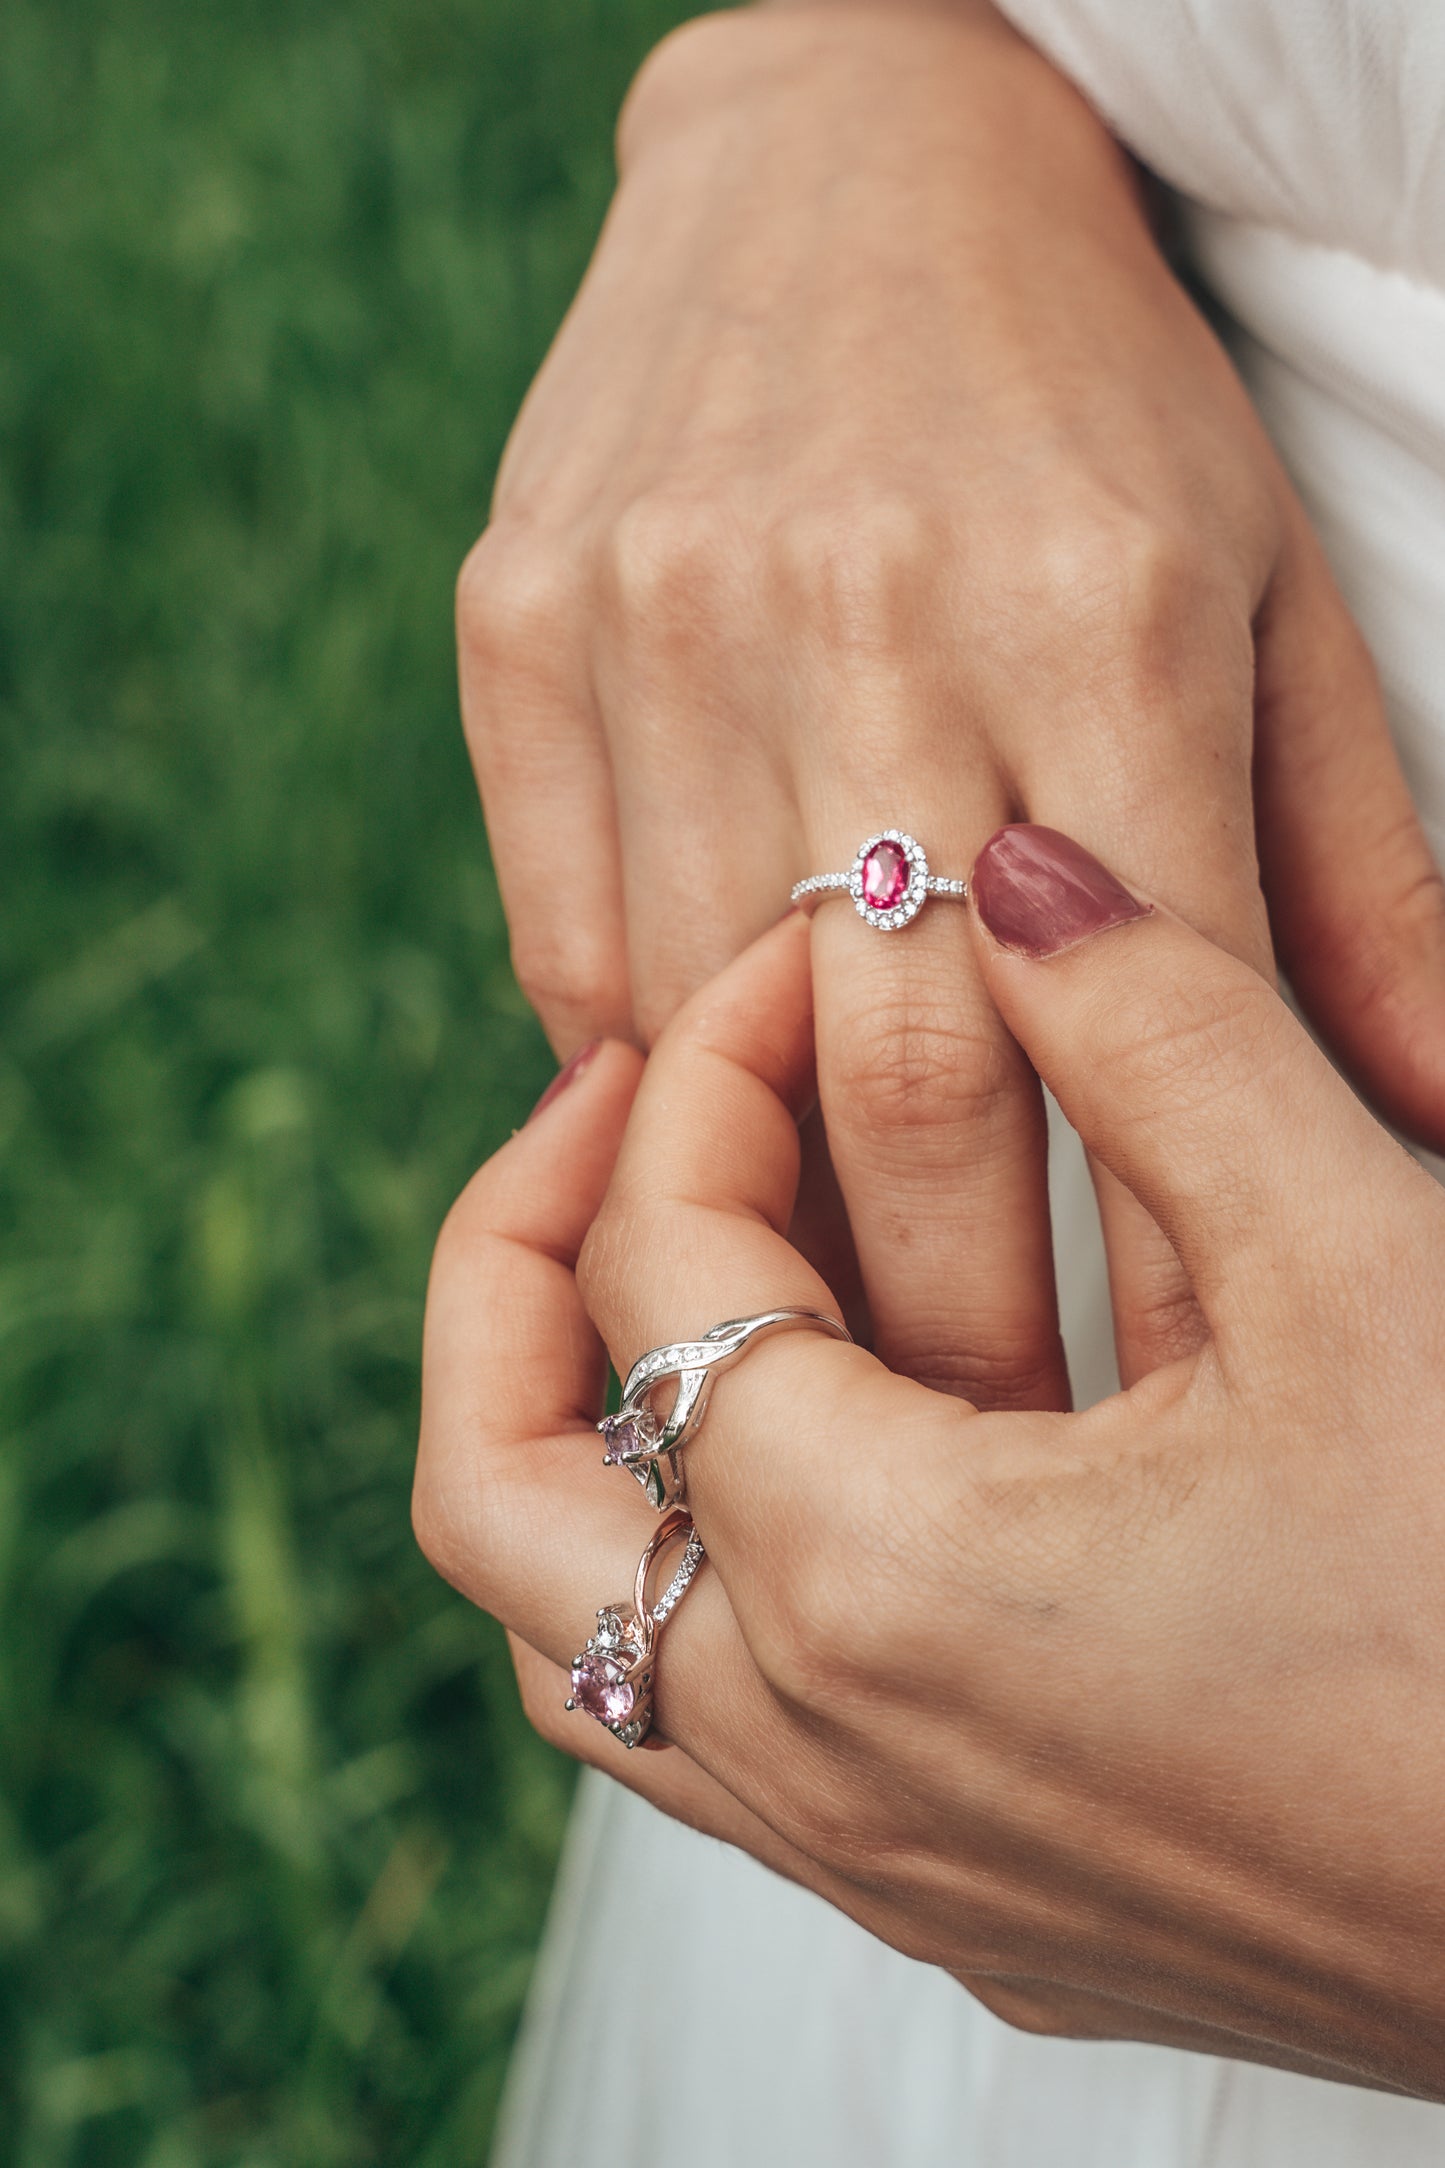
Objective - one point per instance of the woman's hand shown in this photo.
(883, 474)
(1133, 1719)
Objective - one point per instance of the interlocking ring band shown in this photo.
(634, 1438)
(889, 882)
(612, 1673)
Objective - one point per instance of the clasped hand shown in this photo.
(1133, 1719)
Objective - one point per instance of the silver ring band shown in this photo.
(634, 1438)
(612, 1672)
(889, 882)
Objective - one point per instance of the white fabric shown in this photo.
(1307, 138)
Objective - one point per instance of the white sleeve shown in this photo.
(1324, 119)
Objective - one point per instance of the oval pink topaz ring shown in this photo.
(634, 1438)
(889, 882)
(612, 1674)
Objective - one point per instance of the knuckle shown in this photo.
(1130, 595)
(442, 1533)
(1163, 1315)
(857, 564)
(915, 1070)
(673, 556)
(1013, 1363)
(464, 1231)
(570, 973)
(427, 1522)
(514, 598)
(1119, 569)
(824, 1640)
(448, 1499)
(794, 1650)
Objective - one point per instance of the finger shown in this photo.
(1180, 1069)
(936, 1129)
(1147, 765)
(706, 813)
(503, 1282)
(511, 1502)
(542, 770)
(714, 1145)
(807, 1443)
(1355, 897)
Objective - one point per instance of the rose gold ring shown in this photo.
(612, 1673)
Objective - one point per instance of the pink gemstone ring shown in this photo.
(612, 1674)
(635, 1437)
(889, 882)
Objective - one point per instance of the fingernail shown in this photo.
(1039, 892)
(567, 1074)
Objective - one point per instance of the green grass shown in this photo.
(274, 1838)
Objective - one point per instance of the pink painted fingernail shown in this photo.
(567, 1074)
(1039, 892)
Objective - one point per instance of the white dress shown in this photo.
(1306, 139)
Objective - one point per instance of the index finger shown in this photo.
(512, 1504)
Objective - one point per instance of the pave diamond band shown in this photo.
(889, 882)
(682, 1579)
(636, 1439)
(612, 1673)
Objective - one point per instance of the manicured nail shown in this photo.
(567, 1074)
(1039, 892)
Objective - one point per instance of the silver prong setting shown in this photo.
(919, 883)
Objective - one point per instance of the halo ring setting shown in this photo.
(888, 881)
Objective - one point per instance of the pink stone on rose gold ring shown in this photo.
(889, 882)
(612, 1673)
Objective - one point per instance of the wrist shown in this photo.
(716, 63)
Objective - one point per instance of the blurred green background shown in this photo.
(275, 1842)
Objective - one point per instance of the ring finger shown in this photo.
(934, 1119)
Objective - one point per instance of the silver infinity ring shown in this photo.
(611, 1675)
(889, 882)
(634, 1438)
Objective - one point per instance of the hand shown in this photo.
(883, 474)
(1133, 1719)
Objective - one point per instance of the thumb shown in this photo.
(1183, 1072)
(1356, 904)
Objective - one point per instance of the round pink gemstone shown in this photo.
(599, 1687)
(885, 876)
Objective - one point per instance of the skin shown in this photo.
(883, 474)
(1134, 1719)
